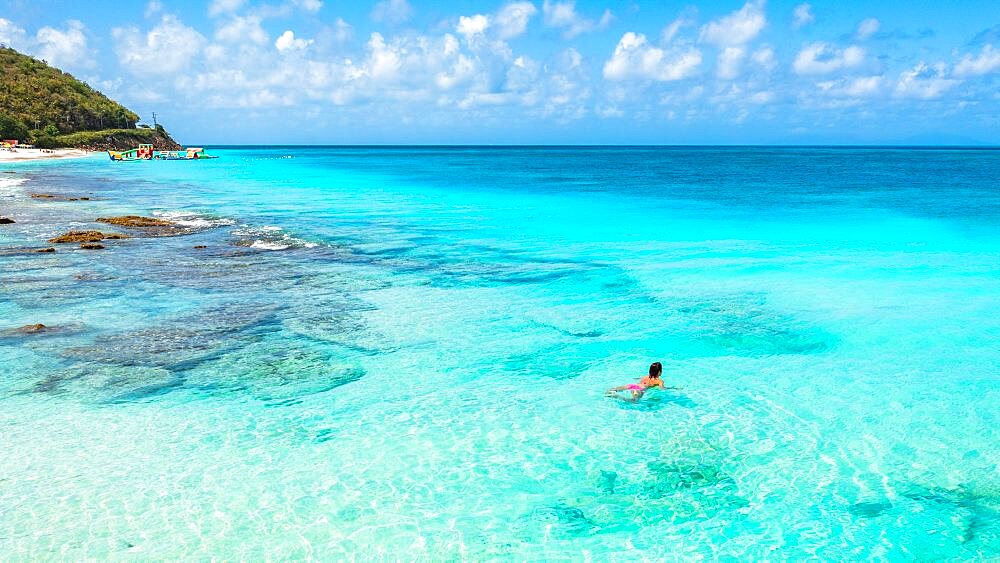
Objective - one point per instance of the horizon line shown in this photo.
(566, 145)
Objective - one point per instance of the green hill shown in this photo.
(48, 107)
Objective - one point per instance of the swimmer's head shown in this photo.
(655, 369)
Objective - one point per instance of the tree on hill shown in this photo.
(11, 128)
(52, 109)
(37, 95)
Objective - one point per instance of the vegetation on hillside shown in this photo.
(43, 105)
(113, 139)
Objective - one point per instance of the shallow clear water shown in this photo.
(403, 352)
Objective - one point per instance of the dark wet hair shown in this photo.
(655, 369)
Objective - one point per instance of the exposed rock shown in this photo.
(135, 221)
(6, 221)
(45, 196)
(30, 329)
(200, 246)
(44, 250)
(86, 236)
(92, 246)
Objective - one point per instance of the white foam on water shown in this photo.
(10, 187)
(193, 220)
(264, 245)
(271, 237)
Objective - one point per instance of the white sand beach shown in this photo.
(11, 155)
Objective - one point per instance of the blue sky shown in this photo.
(413, 71)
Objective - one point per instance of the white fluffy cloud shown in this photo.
(217, 7)
(64, 48)
(342, 31)
(563, 15)
(288, 42)
(469, 26)
(684, 20)
(822, 58)
(868, 27)
(803, 15)
(153, 7)
(859, 87)
(924, 82)
(165, 49)
(10, 34)
(512, 19)
(987, 61)
(635, 58)
(240, 29)
(729, 62)
(737, 28)
(309, 5)
(392, 11)
(765, 58)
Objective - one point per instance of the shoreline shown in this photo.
(21, 155)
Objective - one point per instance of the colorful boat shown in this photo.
(146, 152)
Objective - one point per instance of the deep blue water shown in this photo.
(402, 352)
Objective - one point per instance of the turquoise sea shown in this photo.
(401, 353)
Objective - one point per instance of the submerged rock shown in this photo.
(135, 221)
(55, 197)
(108, 383)
(23, 251)
(92, 246)
(39, 328)
(28, 329)
(607, 481)
(6, 221)
(278, 371)
(182, 342)
(869, 509)
(86, 236)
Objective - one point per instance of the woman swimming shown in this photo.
(638, 389)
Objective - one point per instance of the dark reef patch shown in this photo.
(26, 251)
(869, 509)
(182, 342)
(974, 514)
(745, 325)
(106, 383)
(276, 370)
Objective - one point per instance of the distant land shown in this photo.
(49, 108)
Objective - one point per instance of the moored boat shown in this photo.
(146, 152)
